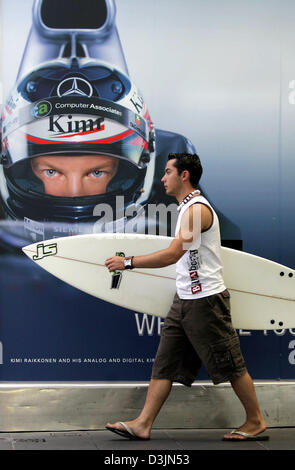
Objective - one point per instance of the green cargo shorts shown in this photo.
(197, 332)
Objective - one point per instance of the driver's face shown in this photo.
(82, 175)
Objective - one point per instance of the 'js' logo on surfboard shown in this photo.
(45, 250)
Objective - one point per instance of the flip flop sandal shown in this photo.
(127, 433)
(246, 436)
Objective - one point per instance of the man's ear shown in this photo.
(185, 175)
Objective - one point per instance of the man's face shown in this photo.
(171, 179)
(82, 175)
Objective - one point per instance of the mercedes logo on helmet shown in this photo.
(74, 86)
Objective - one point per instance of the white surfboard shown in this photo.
(262, 291)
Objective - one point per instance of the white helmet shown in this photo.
(74, 107)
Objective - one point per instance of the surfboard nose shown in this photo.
(38, 251)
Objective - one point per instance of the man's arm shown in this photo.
(196, 219)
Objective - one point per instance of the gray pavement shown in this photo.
(174, 440)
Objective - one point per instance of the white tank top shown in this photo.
(199, 270)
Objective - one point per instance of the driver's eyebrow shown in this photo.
(46, 163)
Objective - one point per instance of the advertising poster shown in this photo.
(95, 95)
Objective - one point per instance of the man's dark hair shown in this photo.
(190, 162)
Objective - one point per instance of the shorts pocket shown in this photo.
(221, 353)
(227, 354)
(225, 359)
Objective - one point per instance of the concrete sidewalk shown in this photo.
(174, 440)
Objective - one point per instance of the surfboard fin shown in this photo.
(116, 280)
(117, 275)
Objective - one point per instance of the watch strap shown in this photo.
(129, 266)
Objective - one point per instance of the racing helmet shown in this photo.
(74, 107)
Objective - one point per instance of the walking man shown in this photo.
(198, 327)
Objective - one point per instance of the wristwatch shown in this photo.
(128, 262)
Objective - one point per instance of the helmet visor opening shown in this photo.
(75, 176)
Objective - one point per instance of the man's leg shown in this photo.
(245, 391)
(157, 394)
